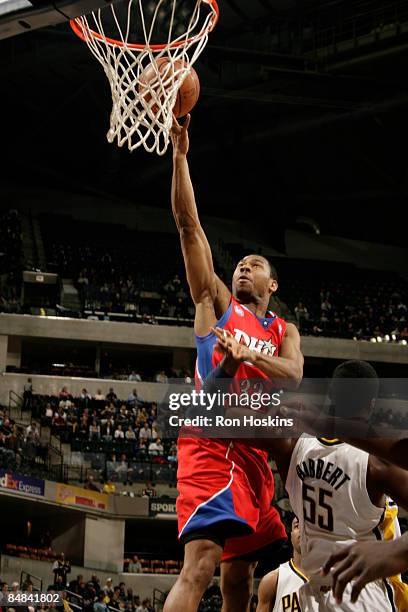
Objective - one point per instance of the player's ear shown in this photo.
(273, 285)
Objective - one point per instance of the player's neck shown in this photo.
(297, 560)
(256, 308)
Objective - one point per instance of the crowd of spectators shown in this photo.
(11, 261)
(381, 317)
(118, 270)
(119, 435)
(89, 596)
(19, 446)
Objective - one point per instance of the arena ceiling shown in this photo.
(303, 111)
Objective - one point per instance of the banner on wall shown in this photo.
(75, 496)
(21, 484)
(162, 505)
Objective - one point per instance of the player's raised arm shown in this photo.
(211, 297)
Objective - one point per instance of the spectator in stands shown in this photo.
(34, 430)
(115, 599)
(130, 434)
(99, 396)
(111, 396)
(109, 487)
(149, 490)
(94, 587)
(153, 413)
(85, 399)
(156, 447)
(94, 431)
(145, 432)
(59, 419)
(161, 377)
(119, 433)
(48, 414)
(90, 484)
(74, 584)
(172, 455)
(64, 394)
(134, 377)
(133, 399)
(15, 588)
(135, 567)
(27, 394)
(108, 430)
(155, 431)
(57, 585)
(61, 568)
(301, 313)
(100, 605)
(65, 602)
(4, 592)
(108, 588)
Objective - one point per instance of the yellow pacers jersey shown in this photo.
(290, 579)
(389, 529)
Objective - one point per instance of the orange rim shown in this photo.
(79, 31)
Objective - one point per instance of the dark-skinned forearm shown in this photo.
(182, 195)
(286, 372)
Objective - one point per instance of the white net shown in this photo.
(172, 29)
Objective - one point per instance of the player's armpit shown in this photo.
(267, 592)
(223, 297)
(383, 478)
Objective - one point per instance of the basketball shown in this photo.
(188, 93)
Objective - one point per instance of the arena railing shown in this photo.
(36, 581)
(15, 403)
(79, 605)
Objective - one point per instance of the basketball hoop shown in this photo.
(142, 111)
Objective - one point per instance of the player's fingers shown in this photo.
(358, 586)
(332, 560)
(186, 123)
(342, 581)
(218, 331)
(175, 126)
(219, 347)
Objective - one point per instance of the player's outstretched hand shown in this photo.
(364, 562)
(235, 353)
(179, 136)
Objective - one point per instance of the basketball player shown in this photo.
(278, 590)
(226, 488)
(338, 492)
(362, 562)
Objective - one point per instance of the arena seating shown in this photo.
(108, 436)
(121, 271)
(11, 261)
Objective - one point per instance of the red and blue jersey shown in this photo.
(260, 334)
(227, 482)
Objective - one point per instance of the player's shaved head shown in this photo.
(354, 388)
